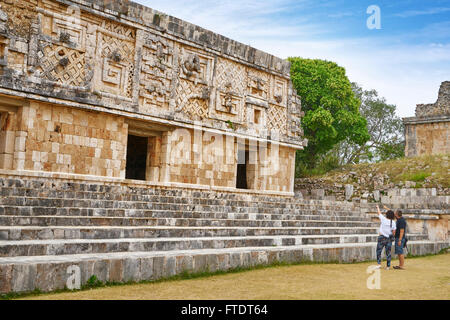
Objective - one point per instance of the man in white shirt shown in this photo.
(386, 235)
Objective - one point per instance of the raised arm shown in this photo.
(379, 213)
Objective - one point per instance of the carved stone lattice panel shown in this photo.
(192, 100)
(117, 65)
(119, 29)
(65, 32)
(295, 114)
(230, 75)
(245, 115)
(21, 14)
(3, 45)
(62, 65)
(279, 91)
(258, 84)
(277, 118)
(229, 107)
(156, 73)
(195, 66)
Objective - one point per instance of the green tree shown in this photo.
(385, 128)
(330, 106)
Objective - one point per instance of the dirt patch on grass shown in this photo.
(425, 278)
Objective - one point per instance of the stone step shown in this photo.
(111, 232)
(80, 246)
(147, 213)
(213, 198)
(133, 221)
(17, 201)
(48, 273)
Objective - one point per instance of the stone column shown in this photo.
(166, 148)
(153, 159)
(7, 140)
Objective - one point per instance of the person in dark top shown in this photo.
(400, 239)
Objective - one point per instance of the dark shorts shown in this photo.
(399, 248)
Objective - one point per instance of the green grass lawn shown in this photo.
(425, 278)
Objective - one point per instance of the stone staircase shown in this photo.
(124, 232)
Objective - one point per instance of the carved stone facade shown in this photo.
(115, 69)
(429, 131)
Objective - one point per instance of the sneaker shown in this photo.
(378, 266)
(387, 268)
(398, 268)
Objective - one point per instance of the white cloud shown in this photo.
(242, 20)
(405, 74)
(413, 13)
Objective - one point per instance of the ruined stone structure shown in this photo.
(136, 146)
(429, 131)
(83, 82)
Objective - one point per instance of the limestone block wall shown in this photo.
(429, 131)
(62, 139)
(428, 136)
(277, 175)
(201, 158)
(213, 161)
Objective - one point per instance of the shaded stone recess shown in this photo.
(429, 131)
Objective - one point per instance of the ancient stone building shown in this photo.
(117, 90)
(429, 131)
(126, 138)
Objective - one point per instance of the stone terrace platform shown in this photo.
(123, 231)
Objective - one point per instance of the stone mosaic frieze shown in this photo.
(120, 55)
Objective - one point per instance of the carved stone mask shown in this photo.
(116, 56)
(192, 63)
(64, 37)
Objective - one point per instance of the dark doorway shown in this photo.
(136, 157)
(241, 175)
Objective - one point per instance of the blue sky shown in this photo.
(405, 60)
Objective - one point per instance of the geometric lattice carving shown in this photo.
(62, 65)
(192, 99)
(230, 81)
(277, 118)
(65, 32)
(156, 72)
(117, 61)
(119, 29)
(193, 91)
(229, 73)
(258, 84)
(279, 91)
(228, 102)
(195, 66)
(295, 114)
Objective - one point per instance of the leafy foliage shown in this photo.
(331, 109)
(385, 128)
